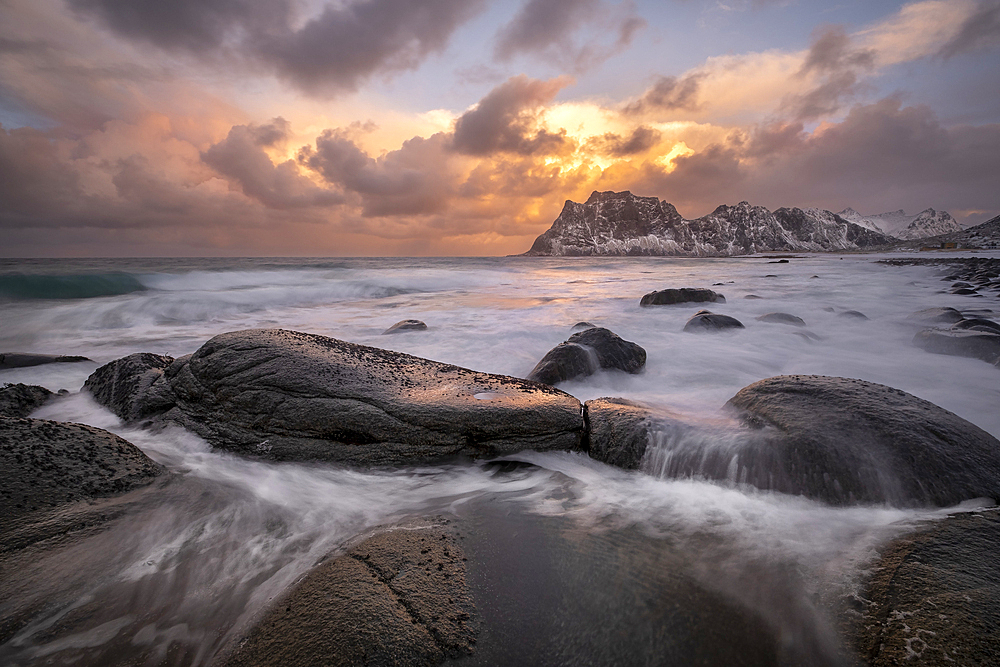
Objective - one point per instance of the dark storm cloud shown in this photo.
(668, 93)
(547, 28)
(839, 67)
(240, 156)
(505, 121)
(880, 154)
(978, 32)
(642, 139)
(199, 26)
(335, 51)
(411, 180)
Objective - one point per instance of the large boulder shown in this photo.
(20, 400)
(851, 441)
(934, 596)
(586, 352)
(671, 296)
(295, 396)
(978, 344)
(618, 431)
(45, 464)
(398, 598)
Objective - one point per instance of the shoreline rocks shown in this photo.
(672, 296)
(586, 352)
(286, 395)
(26, 359)
(405, 325)
(707, 321)
(20, 400)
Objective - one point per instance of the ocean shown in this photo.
(181, 585)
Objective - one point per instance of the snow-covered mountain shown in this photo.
(620, 223)
(902, 226)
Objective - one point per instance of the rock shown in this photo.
(960, 284)
(853, 314)
(45, 464)
(20, 400)
(850, 441)
(934, 597)
(584, 353)
(405, 325)
(977, 324)
(937, 316)
(782, 318)
(965, 291)
(617, 431)
(780, 261)
(983, 345)
(126, 386)
(582, 325)
(286, 395)
(705, 320)
(398, 598)
(22, 360)
(682, 295)
(752, 296)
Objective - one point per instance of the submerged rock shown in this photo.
(782, 318)
(937, 316)
(23, 360)
(851, 441)
(585, 353)
(934, 597)
(853, 315)
(20, 400)
(398, 598)
(618, 431)
(705, 320)
(287, 395)
(977, 344)
(405, 325)
(682, 295)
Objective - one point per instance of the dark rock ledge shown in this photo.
(286, 395)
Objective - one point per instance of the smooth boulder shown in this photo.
(668, 297)
(937, 316)
(20, 400)
(586, 352)
(287, 395)
(984, 345)
(934, 596)
(618, 431)
(705, 320)
(405, 325)
(850, 441)
(782, 318)
(398, 598)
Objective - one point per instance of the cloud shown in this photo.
(668, 93)
(641, 140)
(506, 121)
(979, 32)
(331, 53)
(241, 156)
(552, 29)
(38, 183)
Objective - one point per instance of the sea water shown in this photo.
(179, 581)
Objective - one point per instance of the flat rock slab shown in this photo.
(398, 598)
(20, 400)
(25, 359)
(286, 395)
(671, 296)
(850, 441)
(984, 345)
(934, 597)
(45, 464)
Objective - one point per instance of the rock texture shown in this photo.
(618, 431)
(851, 441)
(585, 353)
(22, 360)
(398, 598)
(705, 320)
(979, 344)
(671, 296)
(45, 464)
(295, 396)
(934, 597)
(20, 400)
(620, 223)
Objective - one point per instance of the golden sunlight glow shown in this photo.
(679, 149)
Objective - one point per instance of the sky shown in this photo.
(460, 127)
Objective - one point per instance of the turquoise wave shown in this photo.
(22, 286)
